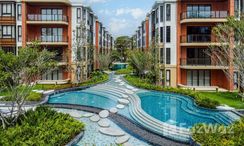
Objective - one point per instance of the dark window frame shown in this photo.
(168, 80)
(168, 55)
(19, 33)
(168, 12)
(19, 12)
(168, 34)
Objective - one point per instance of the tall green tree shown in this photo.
(230, 52)
(18, 75)
(123, 43)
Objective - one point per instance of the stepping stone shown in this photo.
(104, 114)
(124, 101)
(123, 139)
(120, 106)
(95, 118)
(75, 115)
(113, 110)
(104, 123)
(129, 87)
(127, 144)
(88, 115)
(121, 84)
(125, 96)
(129, 92)
(134, 89)
(111, 132)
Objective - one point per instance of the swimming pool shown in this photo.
(180, 110)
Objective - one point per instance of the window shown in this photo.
(19, 13)
(168, 77)
(7, 31)
(52, 14)
(198, 78)
(7, 9)
(162, 55)
(199, 11)
(78, 15)
(52, 34)
(168, 12)
(161, 13)
(168, 34)
(156, 15)
(168, 56)
(19, 33)
(161, 34)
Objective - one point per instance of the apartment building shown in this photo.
(183, 30)
(60, 26)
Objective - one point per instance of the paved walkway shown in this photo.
(126, 124)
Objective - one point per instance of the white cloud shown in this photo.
(136, 13)
(90, 2)
(104, 11)
(117, 26)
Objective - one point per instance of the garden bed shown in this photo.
(43, 126)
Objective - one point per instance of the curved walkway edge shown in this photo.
(126, 124)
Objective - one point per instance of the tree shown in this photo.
(231, 51)
(18, 75)
(122, 43)
(104, 61)
(79, 50)
(141, 62)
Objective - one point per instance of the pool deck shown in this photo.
(127, 125)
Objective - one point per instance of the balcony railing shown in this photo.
(198, 62)
(204, 14)
(197, 38)
(6, 41)
(7, 18)
(54, 38)
(41, 17)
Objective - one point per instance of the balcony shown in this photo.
(195, 40)
(7, 42)
(49, 40)
(62, 61)
(6, 20)
(204, 16)
(36, 19)
(200, 63)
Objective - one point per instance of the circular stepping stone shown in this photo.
(124, 101)
(111, 132)
(113, 110)
(104, 123)
(123, 139)
(75, 115)
(88, 115)
(127, 144)
(129, 92)
(125, 96)
(129, 87)
(120, 106)
(104, 114)
(95, 118)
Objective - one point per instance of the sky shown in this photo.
(120, 17)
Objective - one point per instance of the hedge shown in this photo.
(199, 99)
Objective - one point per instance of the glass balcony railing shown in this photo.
(204, 14)
(198, 62)
(41, 17)
(197, 38)
(53, 38)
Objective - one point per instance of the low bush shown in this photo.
(219, 135)
(127, 70)
(146, 84)
(52, 86)
(43, 126)
(96, 78)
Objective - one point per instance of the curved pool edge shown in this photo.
(126, 124)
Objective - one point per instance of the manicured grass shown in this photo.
(96, 78)
(127, 70)
(229, 98)
(52, 87)
(43, 126)
(32, 97)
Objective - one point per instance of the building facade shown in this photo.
(183, 32)
(60, 26)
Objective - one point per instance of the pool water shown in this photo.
(83, 98)
(178, 110)
(119, 66)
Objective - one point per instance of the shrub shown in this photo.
(96, 78)
(43, 126)
(32, 97)
(52, 86)
(146, 84)
(219, 135)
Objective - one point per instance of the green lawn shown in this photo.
(228, 98)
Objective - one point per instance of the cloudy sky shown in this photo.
(121, 17)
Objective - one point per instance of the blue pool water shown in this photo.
(119, 66)
(82, 98)
(179, 110)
